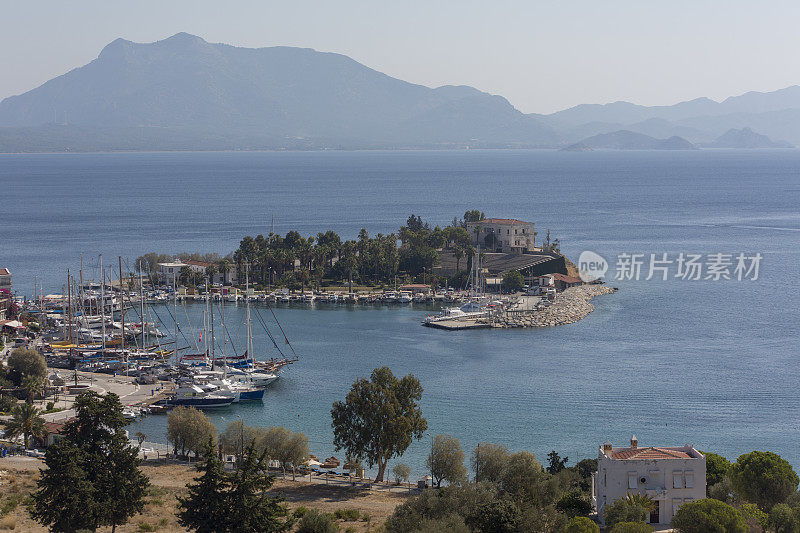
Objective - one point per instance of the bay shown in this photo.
(714, 363)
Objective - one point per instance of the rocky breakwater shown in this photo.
(568, 307)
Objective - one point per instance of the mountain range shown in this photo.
(183, 93)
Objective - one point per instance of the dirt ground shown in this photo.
(18, 478)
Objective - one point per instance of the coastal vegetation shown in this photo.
(92, 477)
(238, 501)
(379, 418)
(295, 261)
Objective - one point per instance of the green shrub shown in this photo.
(623, 510)
(574, 503)
(784, 519)
(366, 517)
(498, 516)
(707, 515)
(451, 524)
(300, 512)
(582, 524)
(315, 522)
(144, 526)
(348, 515)
(631, 527)
(50, 406)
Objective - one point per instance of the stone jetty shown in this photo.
(568, 307)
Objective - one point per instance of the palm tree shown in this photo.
(32, 385)
(25, 421)
(642, 500)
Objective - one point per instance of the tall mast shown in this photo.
(175, 313)
(141, 307)
(122, 312)
(69, 307)
(103, 302)
(247, 299)
(211, 340)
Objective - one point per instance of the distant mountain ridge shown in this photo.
(747, 139)
(629, 140)
(183, 93)
(278, 97)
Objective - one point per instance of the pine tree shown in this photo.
(92, 477)
(236, 502)
(205, 507)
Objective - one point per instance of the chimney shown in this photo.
(607, 446)
(634, 442)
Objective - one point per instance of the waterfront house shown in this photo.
(506, 235)
(169, 273)
(563, 282)
(671, 476)
(5, 279)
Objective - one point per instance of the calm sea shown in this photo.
(675, 362)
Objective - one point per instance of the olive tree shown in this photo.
(446, 460)
(379, 418)
(488, 461)
(189, 429)
(401, 472)
(763, 478)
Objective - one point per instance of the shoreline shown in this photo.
(569, 307)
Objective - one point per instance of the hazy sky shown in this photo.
(542, 56)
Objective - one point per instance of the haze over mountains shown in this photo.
(185, 93)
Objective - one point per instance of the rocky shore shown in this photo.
(568, 307)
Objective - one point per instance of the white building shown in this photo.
(5, 279)
(503, 234)
(169, 273)
(671, 476)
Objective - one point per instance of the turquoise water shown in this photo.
(709, 363)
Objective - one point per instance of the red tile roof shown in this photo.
(648, 453)
(566, 279)
(501, 221)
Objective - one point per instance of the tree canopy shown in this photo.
(707, 515)
(189, 429)
(717, 468)
(92, 477)
(488, 461)
(233, 502)
(763, 478)
(513, 281)
(25, 421)
(379, 418)
(25, 362)
(446, 460)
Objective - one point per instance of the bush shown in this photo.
(144, 526)
(315, 522)
(707, 515)
(366, 517)
(624, 511)
(348, 515)
(432, 505)
(498, 516)
(582, 524)
(573, 504)
(783, 519)
(753, 516)
(300, 512)
(631, 527)
(451, 523)
(50, 406)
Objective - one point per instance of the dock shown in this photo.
(456, 324)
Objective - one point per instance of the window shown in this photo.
(632, 484)
(605, 478)
(677, 480)
(689, 479)
(688, 500)
(676, 504)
